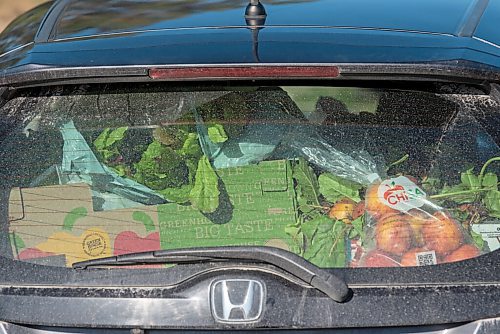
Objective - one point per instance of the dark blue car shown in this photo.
(231, 165)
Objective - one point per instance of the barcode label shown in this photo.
(426, 258)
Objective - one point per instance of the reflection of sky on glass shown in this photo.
(423, 15)
(211, 18)
(392, 14)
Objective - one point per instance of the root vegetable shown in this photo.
(442, 234)
(342, 210)
(463, 253)
(393, 234)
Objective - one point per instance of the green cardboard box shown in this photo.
(262, 204)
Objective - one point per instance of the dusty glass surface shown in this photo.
(345, 177)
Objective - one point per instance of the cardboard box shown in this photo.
(262, 205)
(57, 225)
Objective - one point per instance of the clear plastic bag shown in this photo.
(358, 166)
(80, 165)
(255, 144)
(405, 228)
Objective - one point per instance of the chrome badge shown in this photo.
(237, 300)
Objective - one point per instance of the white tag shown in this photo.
(426, 258)
(401, 194)
(490, 233)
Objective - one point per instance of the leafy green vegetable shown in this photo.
(307, 187)
(116, 135)
(167, 136)
(469, 180)
(216, 133)
(357, 228)
(460, 194)
(327, 247)
(205, 194)
(100, 141)
(431, 185)
(398, 162)
(121, 170)
(161, 167)
(310, 227)
(177, 195)
(495, 214)
(191, 146)
(333, 188)
(322, 239)
(477, 239)
(295, 231)
(475, 189)
(108, 141)
(191, 152)
(492, 202)
(490, 180)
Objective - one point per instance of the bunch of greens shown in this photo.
(321, 239)
(475, 199)
(172, 164)
(474, 191)
(161, 167)
(107, 145)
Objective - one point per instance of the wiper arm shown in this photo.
(328, 283)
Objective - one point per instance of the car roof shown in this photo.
(72, 33)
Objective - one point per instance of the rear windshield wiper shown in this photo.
(324, 281)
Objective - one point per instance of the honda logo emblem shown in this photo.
(237, 300)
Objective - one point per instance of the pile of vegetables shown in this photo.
(332, 211)
(170, 161)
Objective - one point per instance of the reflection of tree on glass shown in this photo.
(22, 30)
(156, 14)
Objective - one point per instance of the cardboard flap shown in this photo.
(16, 208)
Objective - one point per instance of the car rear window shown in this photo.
(342, 176)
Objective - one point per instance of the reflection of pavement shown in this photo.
(9, 10)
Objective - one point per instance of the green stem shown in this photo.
(397, 162)
(472, 191)
(487, 163)
(463, 192)
(337, 239)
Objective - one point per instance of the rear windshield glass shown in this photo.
(344, 177)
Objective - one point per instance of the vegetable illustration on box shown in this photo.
(130, 242)
(43, 228)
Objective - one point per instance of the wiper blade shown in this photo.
(326, 282)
